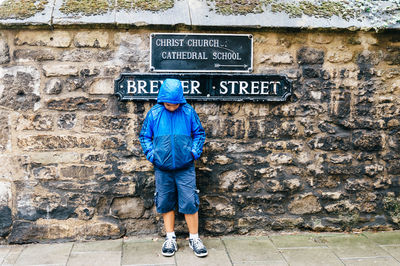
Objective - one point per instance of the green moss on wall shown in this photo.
(86, 7)
(391, 206)
(148, 5)
(98, 7)
(21, 9)
(237, 7)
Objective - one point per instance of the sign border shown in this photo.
(282, 98)
(153, 70)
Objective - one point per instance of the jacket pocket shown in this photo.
(183, 151)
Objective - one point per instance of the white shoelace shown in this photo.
(198, 244)
(169, 243)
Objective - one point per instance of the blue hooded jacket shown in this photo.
(172, 140)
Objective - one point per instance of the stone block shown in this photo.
(66, 121)
(340, 56)
(218, 226)
(60, 39)
(45, 173)
(70, 229)
(77, 172)
(39, 122)
(54, 158)
(5, 220)
(102, 86)
(4, 52)
(49, 143)
(23, 55)
(322, 38)
(105, 124)
(281, 158)
(126, 208)
(234, 180)
(305, 204)
(60, 69)
(217, 206)
(331, 143)
(53, 86)
(95, 39)
(113, 143)
(19, 87)
(367, 141)
(277, 59)
(4, 132)
(5, 193)
(87, 55)
(308, 56)
(77, 104)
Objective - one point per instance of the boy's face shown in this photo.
(171, 107)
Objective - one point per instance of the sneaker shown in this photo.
(198, 247)
(169, 247)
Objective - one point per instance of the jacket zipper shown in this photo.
(172, 142)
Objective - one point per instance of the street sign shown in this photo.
(179, 52)
(206, 87)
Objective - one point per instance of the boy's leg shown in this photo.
(169, 221)
(192, 221)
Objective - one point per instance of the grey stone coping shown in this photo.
(198, 13)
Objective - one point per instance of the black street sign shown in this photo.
(178, 52)
(206, 87)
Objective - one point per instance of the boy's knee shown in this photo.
(190, 205)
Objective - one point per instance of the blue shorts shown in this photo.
(176, 186)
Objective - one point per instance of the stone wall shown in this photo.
(72, 166)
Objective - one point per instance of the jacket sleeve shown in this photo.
(198, 135)
(146, 137)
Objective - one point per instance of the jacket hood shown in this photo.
(171, 91)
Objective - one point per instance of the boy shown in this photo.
(172, 138)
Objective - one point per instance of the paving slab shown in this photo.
(146, 252)
(311, 256)
(384, 238)
(290, 241)
(393, 250)
(106, 245)
(98, 258)
(261, 263)
(354, 246)
(257, 249)
(12, 255)
(216, 254)
(44, 254)
(381, 261)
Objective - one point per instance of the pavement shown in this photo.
(367, 248)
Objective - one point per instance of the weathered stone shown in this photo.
(126, 208)
(54, 158)
(341, 159)
(71, 229)
(139, 227)
(96, 39)
(277, 59)
(5, 220)
(292, 184)
(341, 55)
(79, 103)
(19, 87)
(217, 206)
(331, 143)
(53, 86)
(4, 52)
(43, 38)
(37, 122)
(87, 55)
(23, 55)
(373, 169)
(102, 86)
(105, 124)
(77, 171)
(331, 195)
(45, 173)
(48, 142)
(367, 141)
(66, 121)
(218, 226)
(4, 132)
(304, 204)
(308, 55)
(281, 158)
(134, 165)
(113, 143)
(233, 180)
(222, 160)
(283, 223)
(321, 38)
(342, 206)
(60, 69)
